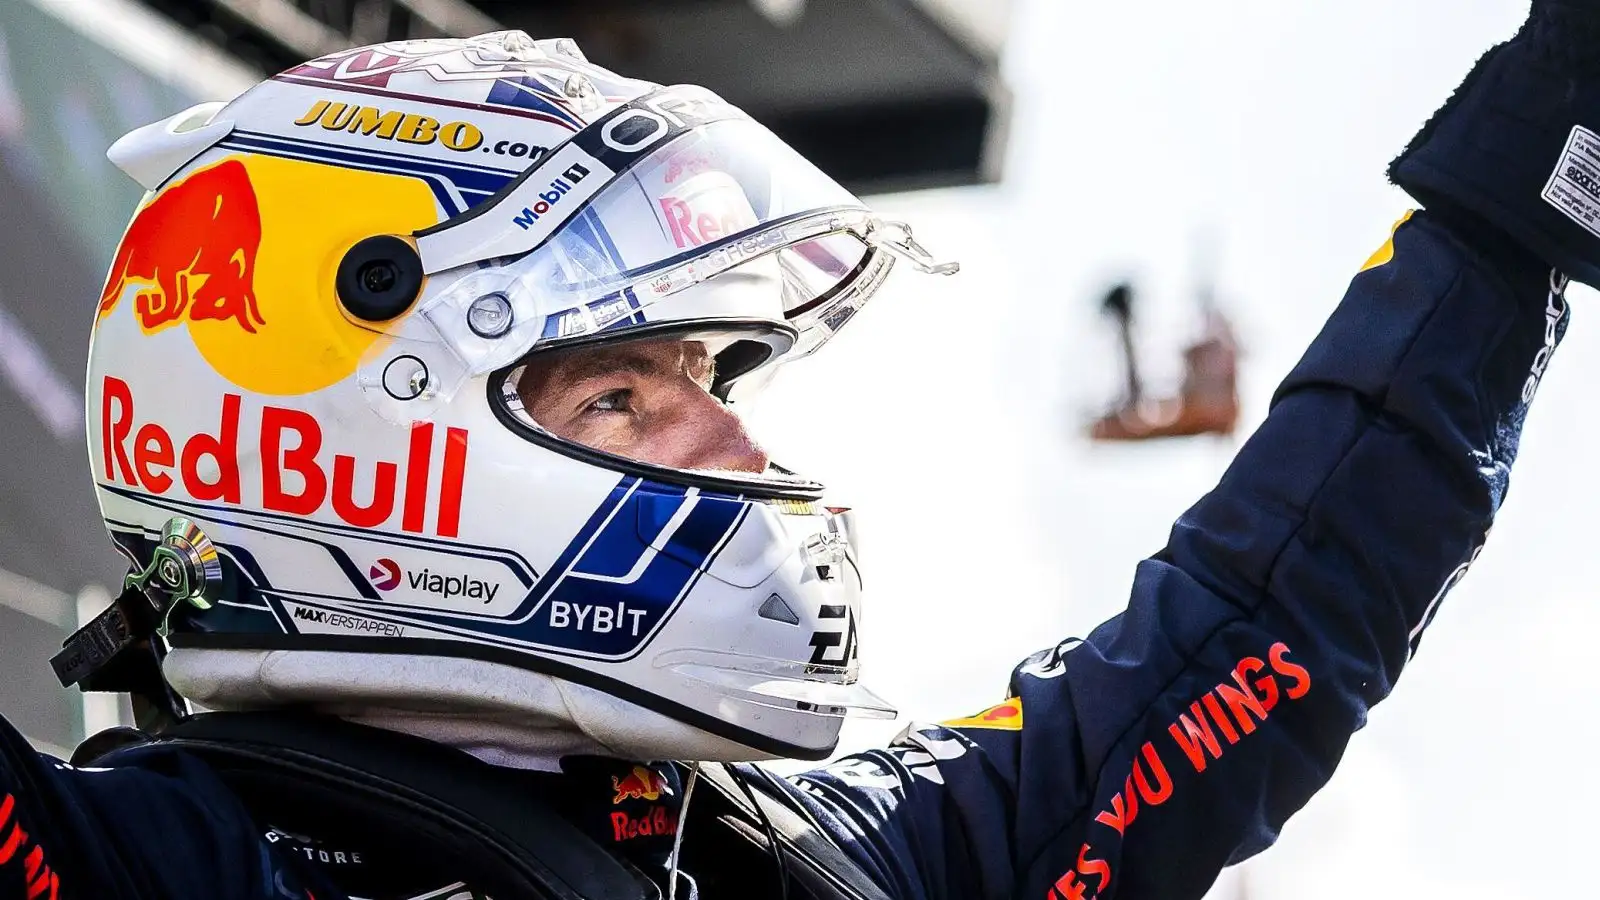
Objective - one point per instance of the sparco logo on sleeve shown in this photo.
(1555, 308)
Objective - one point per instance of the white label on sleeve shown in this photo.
(1574, 187)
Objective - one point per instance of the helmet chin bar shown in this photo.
(120, 650)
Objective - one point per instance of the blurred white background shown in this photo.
(950, 415)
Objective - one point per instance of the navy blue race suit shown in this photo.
(1136, 763)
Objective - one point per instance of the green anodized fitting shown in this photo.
(184, 567)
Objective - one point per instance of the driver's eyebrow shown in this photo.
(585, 366)
(659, 361)
(573, 369)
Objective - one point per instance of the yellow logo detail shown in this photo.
(1386, 252)
(243, 254)
(411, 128)
(1006, 716)
(310, 215)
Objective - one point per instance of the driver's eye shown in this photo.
(620, 400)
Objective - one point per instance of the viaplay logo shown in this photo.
(385, 574)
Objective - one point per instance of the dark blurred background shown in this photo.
(882, 94)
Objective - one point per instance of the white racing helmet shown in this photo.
(308, 357)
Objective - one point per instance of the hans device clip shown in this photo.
(120, 650)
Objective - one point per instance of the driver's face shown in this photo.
(647, 400)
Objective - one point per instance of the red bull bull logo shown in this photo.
(191, 252)
(642, 783)
(234, 259)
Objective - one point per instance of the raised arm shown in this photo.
(1180, 735)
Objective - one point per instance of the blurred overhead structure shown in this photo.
(1208, 399)
(882, 94)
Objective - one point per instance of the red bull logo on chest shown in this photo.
(191, 253)
(643, 783)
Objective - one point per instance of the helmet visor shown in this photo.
(721, 223)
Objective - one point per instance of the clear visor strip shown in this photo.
(551, 193)
(548, 195)
(740, 249)
(896, 237)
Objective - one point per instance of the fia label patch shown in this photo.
(1574, 187)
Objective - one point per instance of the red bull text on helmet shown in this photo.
(289, 442)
